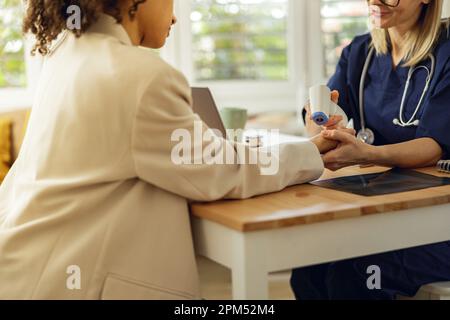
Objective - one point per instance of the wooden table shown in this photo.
(307, 225)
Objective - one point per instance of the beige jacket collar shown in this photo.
(108, 25)
(105, 24)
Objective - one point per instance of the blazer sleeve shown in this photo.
(165, 112)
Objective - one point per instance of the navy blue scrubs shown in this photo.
(384, 87)
(402, 272)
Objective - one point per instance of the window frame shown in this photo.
(256, 96)
(305, 62)
(305, 58)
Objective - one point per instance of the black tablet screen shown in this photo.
(392, 181)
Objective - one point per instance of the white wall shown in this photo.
(446, 12)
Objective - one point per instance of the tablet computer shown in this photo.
(206, 108)
(388, 182)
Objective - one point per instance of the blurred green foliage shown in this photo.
(341, 22)
(335, 42)
(12, 58)
(247, 40)
(240, 40)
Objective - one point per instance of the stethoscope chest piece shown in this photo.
(367, 136)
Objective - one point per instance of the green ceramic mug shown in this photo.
(235, 119)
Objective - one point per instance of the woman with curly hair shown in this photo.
(94, 207)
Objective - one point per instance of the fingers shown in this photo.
(334, 166)
(339, 135)
(335, 127)
(334, 121)
(312, 128)
(330, 158)
(335, 96)
(307, 107)
(333, 161)
(328, 145)
(349, 131)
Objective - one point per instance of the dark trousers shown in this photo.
(402, 272)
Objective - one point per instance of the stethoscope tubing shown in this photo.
(366, 132)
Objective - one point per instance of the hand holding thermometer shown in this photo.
(325, 112)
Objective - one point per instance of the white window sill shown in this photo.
(15, 99)
(256, 97)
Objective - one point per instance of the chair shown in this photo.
(434, 291)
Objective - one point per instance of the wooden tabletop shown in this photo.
(307, 204)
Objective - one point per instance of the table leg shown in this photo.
(250, 277)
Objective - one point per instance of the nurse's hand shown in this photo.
(325, 144)
(349, 152)
(312, 128)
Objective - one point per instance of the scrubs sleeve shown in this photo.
(435, 121)
(339, 81)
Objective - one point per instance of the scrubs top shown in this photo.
(384, 87)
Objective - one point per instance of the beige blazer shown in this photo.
(94, 207)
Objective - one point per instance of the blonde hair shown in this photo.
(421, 40)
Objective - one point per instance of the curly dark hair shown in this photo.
(46, 19)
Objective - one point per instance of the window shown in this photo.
(262, 54)
(341, 22)
(12, 57)
(242, 49)
(239, 39)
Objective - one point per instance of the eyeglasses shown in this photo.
(390, 3)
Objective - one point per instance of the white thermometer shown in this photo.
(323, 109)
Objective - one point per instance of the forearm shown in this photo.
(417, 153)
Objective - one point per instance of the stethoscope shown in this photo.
(366, 134)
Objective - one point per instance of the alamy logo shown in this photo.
(73, 281)
(374, 280)
(74, 19)
(203, 147)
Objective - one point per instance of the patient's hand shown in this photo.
(325, 144)
(350, 150)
